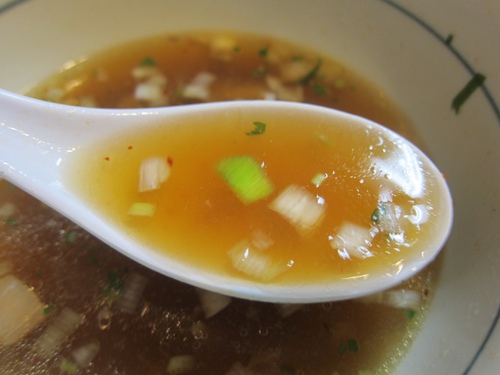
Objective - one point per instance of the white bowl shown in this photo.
(401, 45)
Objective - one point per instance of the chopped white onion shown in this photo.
(7, 209)
(181, 364)
(299, 207)
(388, 218)
(57, 332)
(222, 47)
(85, 354)
(131, 293)
(199, 87)
(352, 240)
(253, 262)
(152, 89)
(294, 93)
(20, 309)
(287, 309)
(397, 298)
(419, 214)
(212, 303)
(152, 173)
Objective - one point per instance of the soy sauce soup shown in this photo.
(95, 311)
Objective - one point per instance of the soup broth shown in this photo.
(109, 315)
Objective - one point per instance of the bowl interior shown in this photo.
(417, 67)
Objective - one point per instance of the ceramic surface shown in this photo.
(422, 53)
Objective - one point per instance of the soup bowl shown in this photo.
(437, 61)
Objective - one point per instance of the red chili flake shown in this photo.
(130, 147)
(106, 158)
(170, 161)
(426, 292)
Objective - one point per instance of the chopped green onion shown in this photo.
(259, 128)
(142, 209)
(11, 222)
(318, 179)
(68, 366)
(352, 346)
(449, 39)
(246, 178)
(474, 83)
(92, 260)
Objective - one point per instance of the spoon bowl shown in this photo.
(37, 138)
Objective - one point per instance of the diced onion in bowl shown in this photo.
(212, 303)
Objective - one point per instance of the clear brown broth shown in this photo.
(68, 267)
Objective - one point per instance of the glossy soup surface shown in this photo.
(132, 320)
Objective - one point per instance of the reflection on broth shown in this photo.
(91, 310)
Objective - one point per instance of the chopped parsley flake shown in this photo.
(319, 89)
(410, 313)
(311, 75)
(49, 308)
(263, 51)
(259, 128)
(474, 83)
(148, 61)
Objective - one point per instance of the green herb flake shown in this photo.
(352, 346)
(449, 39)
(319, 90)
(410, 313)
(115, 282)
(259, 128)
(92, 260)
(259, 72)
(11, 222)
(378, 213)
(68, 366)
(474, 83)
(71, 236)
(148, 61)
(237, 49)
(311, 75)
(297, 58)
(49, 308)
(342, 348)
(263, 51)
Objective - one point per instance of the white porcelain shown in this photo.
(38, 138)
(399, 44)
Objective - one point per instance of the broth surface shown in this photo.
(167, 329)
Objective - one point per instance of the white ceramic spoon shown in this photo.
(36, 137)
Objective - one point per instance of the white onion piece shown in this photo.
(131, 293)
(287, 309)
(352, 240)
(388, 218)
(212, 303)
(199, 87)
(57, 332)
(181, 364)
(397, 298)
(85, 354)
(152, 173)
(20, 310)
(7, 209)
(293, 93)
(299, 207)
(253, 262)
